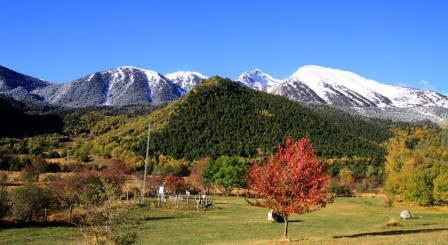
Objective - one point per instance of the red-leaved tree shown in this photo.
(174, 183)
(196, 180)
(293, 181)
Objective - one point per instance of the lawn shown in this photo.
(232, 221)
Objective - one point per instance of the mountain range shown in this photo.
(317, 84)
(310, 84)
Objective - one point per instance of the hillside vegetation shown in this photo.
(14, 122)
(221, 117)
(417, 166)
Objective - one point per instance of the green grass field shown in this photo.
(233, 221)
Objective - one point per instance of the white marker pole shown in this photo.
(146, 165)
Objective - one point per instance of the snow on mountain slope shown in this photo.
(187, 80)
(10, 79)
(116, 87)
(317, 84)
(310, 84)
(19, 86)
(340, 87)
(258, 80)
(331, 83)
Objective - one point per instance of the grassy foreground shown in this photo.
(232, 221)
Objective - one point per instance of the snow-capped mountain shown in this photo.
(354, 94)
(316, 84)
(310, 84)
(11, 82)
(186, 79)
(258, 80)
(344, 88)
(116, 87)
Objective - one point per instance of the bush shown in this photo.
(84, 158)
(441, 188)
(165, 165)
(27, 200)
(4, 163)
(361, 187)
(63, 154)
(53, 154)
(339, 190)
(11, 163)
(226, 172)
(4, 203)
(15, 164)
(26, 160)
(64, 168)
(52, 168)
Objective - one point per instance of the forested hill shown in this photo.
(14, 122)
(221, 117)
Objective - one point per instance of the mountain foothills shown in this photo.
(15, 122)
(221, 117)
(217, 117)
(74, 153)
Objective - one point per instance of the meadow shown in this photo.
(356, 220)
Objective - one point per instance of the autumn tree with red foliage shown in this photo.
(174, 183)
(293, 181)
(196, 179)
(116, 172)
(67, 192)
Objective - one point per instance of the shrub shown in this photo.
(11, 163)
(84, 158)
(339, 190)
(361, 187)
(346, 176)
(27, 200)
(53, 168)
(174, 184)
(53, 154)
(166, 165)
(226, 172)
(441, 188)
(4, 202)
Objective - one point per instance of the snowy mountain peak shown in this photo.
(186, 79)
(258, 80)
(131, 69)
(186, 74)
(344, 88)
(129, 85)
(318, 74)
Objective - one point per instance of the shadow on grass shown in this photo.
(391, 233)
(160, 218)
(295, 221)
(14, 225)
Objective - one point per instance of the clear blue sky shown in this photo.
(391, 41)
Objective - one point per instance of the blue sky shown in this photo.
(401, 42)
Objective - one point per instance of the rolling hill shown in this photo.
(221, 117)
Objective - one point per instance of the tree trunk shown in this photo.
(285, 232)
(107, 218)
(70, 213)
(45, 215)
(30, 217)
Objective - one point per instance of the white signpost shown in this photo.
(161, 195)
